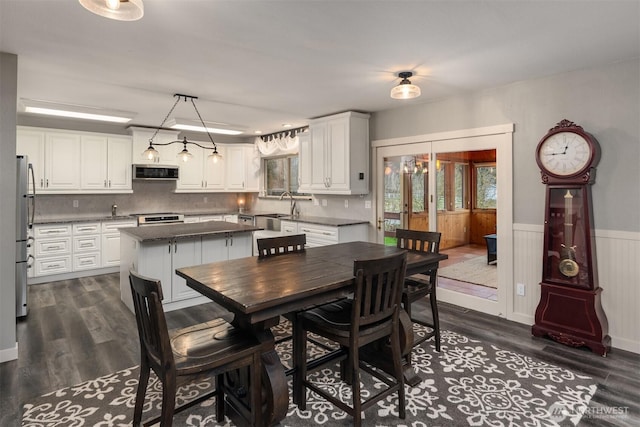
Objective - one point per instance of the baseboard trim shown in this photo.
(9, 354)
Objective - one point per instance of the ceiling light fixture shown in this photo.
(195, 126)
(120, 10)
(84, 112)
(151, 153)
(405, 90)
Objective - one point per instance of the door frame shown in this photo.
(500, 138)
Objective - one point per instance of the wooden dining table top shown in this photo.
(258, 289)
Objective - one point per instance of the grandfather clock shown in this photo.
(570, 309)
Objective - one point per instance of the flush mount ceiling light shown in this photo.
(152, 154)
(212, 127)
(405, 90)
(84, 112)
(120, 10)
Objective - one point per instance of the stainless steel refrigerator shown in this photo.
(25, 210)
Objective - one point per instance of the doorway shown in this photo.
(441, 185)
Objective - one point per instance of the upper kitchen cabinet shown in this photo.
(76, 162)
(200, 173)
(167, 153)
(106, 163)
(335, 160)
(55, 157)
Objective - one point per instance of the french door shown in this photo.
(408, 175)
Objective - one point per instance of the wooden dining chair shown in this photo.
(419, 286)
(372, 315)
(213, 347)
(281, 245)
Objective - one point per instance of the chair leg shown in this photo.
(168, 400)
(143, 381)
(354, 374)
(219, 398)
(300, 365)
(436, 317)
(397, 365)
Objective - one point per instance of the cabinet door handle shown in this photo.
(169, 246)
(47, 182)
(41, 183)
(175, 246)
(109, 183)
(105, 182)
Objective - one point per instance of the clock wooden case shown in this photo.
(570, 309)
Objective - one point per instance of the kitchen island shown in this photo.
(156, 252)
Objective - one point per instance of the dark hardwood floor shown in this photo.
(78, 330)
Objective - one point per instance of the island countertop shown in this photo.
(186, 230)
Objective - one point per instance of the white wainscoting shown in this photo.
(618, 255)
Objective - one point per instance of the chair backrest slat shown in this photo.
(281, 245)
(418, 241)
(378, 288)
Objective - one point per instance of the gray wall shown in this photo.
(8, 93)
(605, 101)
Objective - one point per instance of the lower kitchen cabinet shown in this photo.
(322, 235)
(111, 241)
(52, 249)
(159, 260)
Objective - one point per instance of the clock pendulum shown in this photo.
(570, 309)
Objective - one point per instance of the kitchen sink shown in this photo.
(270, 221)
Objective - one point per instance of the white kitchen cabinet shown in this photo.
(191, 219)
(186, 252)
(200, 174)
(205, 218)
(336, 159)
(231, 218)
(221, 247)
(253, 162)
(52, 249)
(55, 157)
(86, 246)
(322, 235)
(305, 163)
(106, 163)
(167, 153)
(235, 168)
(111, 241)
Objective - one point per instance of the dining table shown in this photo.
(259, 291)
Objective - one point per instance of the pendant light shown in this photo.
(405, 90)
(120, 10)
(152, 154)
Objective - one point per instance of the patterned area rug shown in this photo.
(467, 383)
(474, 270)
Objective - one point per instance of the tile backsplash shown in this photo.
(147, 197)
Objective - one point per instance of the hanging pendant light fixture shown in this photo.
(405, 90)
(120, 10)
(152, 154)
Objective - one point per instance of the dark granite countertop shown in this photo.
(184, 231)
(332, 222)
(83, 218)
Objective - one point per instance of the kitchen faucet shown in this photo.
(293, 203)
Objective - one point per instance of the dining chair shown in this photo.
(370, 316)
(214, 347)
(281, 245)
(418, 286)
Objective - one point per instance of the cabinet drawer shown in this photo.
(53, 265)
(52, 230)
(52, 247)
(319, 232)
(86, 261)
(113, 226)
(211, 218)
(86, 228)
(288, 227)
(86, 243)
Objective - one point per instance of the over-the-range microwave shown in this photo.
(155, 172)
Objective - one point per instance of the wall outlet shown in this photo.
(520, 289)
(346, 203)
(75, 204)
(205, 199)
(316, 202)
(367, 204)
(324, 202)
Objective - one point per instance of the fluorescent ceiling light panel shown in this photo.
(76, 111)
(195, 126)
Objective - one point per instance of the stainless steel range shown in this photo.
(159, 218)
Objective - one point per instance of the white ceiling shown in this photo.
(262, 63)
